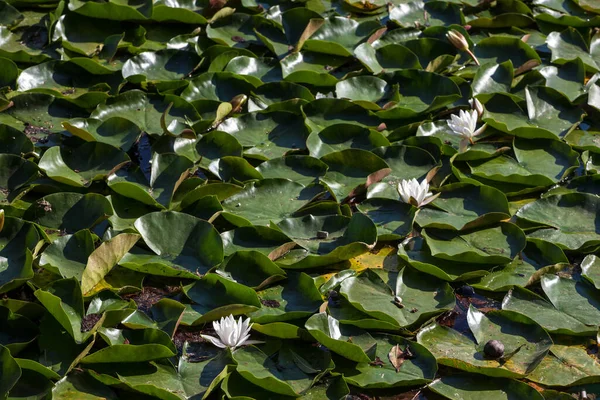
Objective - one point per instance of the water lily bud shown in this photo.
(458, 40)
(238, 102)
(477, 106)
(494, 349)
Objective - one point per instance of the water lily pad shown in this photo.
(68, 255)
(183, 245)
(566, 366)
(487, 246)
(418, 255)
(466, 385)
(578, 299)
(549, 114)
(257, 238)
(418, 299)
(352, 343)
(417, 365)
(302, 169)
(525, 343)
(297, 371)
(297, 298)
(251, 268)
(17, 331)
(343, 136)
(537, 255)
(284, 196)
(539, 164)
(543, 312)
(82, 165)
(69, 212)
(163, 65)
(341, 239)
(352, 169)
(165, 177)
(267, 135)
(567, 220)
(215, 297)
(463, 206)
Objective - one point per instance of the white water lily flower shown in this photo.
(231, 333)
(465, 124)
(334, 328)
(324, 95)
(225, 275)
(415, 193)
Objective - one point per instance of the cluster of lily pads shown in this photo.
(312, 199)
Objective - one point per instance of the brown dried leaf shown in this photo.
(396, 357)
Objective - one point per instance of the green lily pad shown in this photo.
(418, 255)
(487, 246)
(298, 368)
(267, 135)
(165, 176)
(464, 207)
(493, 78)
(419, 299)
(143, 345)
(345, 238)
(64, 301)
(539, 163)
(298, 298)
(17, 331)
(549, 114)
(392, 57)
(394, 219)
(301, 169)
(353, 343)
(543, 312)
(68, 255)
(351, 170)
(13, 141)
(10, 371)
(215, 297)
(525, 343)
(569, 45)
(182, 245)
(163, 65)
(433, 13)
(467, 386)
(496, 50)
(406, 162)
(415, 369)
(566, 366)
(580, 300)
(325, 112)
(420, 92)
(566, 220)
(114, 131)
(145, 110)
(69, 212)
(16, 172)
(252, 268)
(80, 166)
(284, 196)
(339, 36)
(343, 136)
(256, 238)
(590, 269)
(536, 256)
(64, 79)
